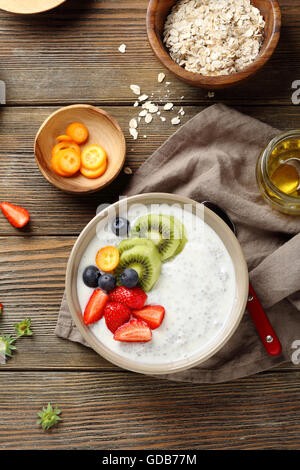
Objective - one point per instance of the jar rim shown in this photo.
(264, 160)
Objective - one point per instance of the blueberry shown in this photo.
(120, 227)
(90, 276)
(107, 282)
(129, 278)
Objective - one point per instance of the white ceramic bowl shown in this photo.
(242, 285)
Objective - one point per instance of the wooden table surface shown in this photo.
(70, 55)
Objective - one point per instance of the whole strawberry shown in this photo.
(134, 298)
(116, 314)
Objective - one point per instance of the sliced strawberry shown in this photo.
(1, 308)
(95, 307)
(17, 216)
(116, 314)
(133, 298)
(153, 315)
(135, 331)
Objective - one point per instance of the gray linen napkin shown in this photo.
(213, 157)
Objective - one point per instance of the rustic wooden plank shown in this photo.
(54, 212)
(19, 125)
(129, 411)
(77, 45)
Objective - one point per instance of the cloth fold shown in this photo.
(213, 157)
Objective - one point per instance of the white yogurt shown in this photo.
(197, 289)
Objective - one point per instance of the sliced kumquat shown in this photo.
(69, 161)
(92, 174)
(93, 157)
(78, 132)
(56, 168)
(66, 145)
(107, 258)
(64, 138)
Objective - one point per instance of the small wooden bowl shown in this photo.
(103, 130)
(157, 13)
(26, 7)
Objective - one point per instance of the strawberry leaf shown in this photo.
(8, 348)
(23, 328)
(49, 416)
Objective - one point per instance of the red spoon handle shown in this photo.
(262, 324)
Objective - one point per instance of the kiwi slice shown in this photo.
(162, 230)
(131, 242)
(182, 233)
(145, 260)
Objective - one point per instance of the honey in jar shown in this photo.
(278, 172)
(284, 167)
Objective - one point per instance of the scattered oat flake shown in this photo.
(143, 113)
(122, 48)
(143, 97)
(145, 137)
(127, 170)
(147, 105)
(148, 118)
(161, 77)
(134, 133)
(136, 104)
(162, 118)
(175, 121)
(133, 123)
(211, 94)
(182, 97)
(153, 108)
(136, 89)
(168, 106)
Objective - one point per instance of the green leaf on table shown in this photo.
(7, 345)
(49, 416)
(23, 328)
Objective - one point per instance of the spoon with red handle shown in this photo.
(254, 307)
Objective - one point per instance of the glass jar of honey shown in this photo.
(278, 172)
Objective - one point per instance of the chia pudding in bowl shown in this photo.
(157, 283)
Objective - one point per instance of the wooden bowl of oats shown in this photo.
(213, 45)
